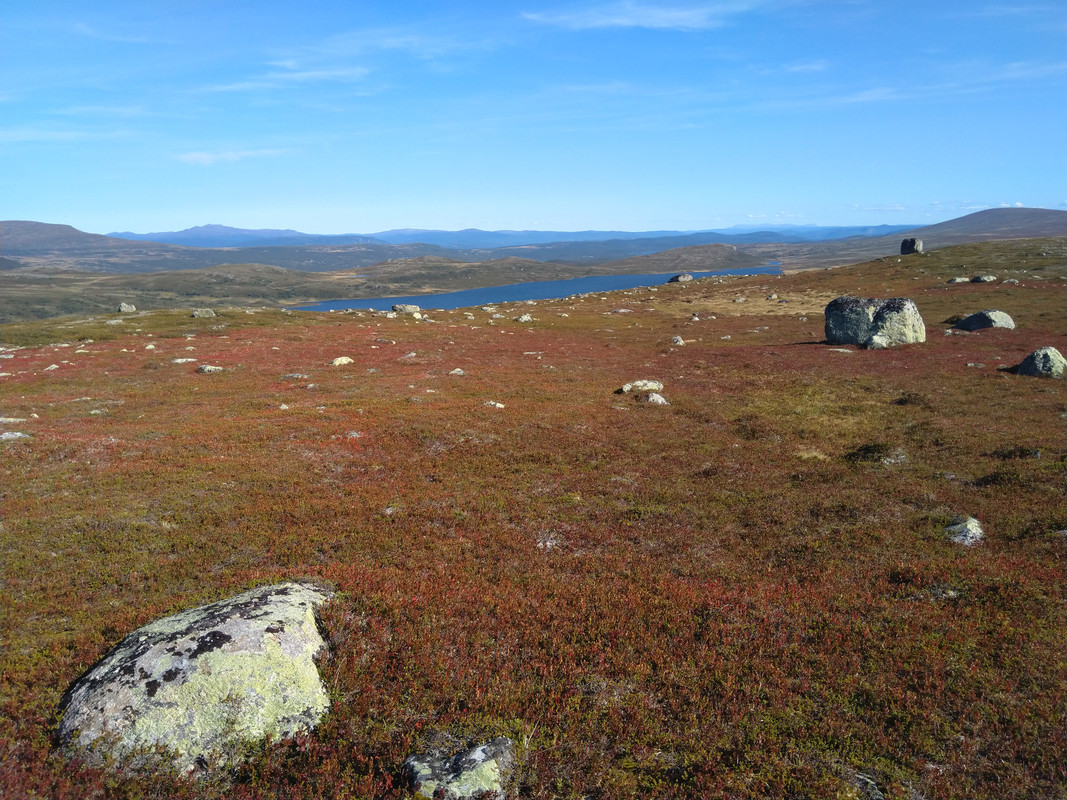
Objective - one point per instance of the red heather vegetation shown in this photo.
(729, 596)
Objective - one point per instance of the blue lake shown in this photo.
(533, 290)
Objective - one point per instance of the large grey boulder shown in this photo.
(909, 246)
(406, 308)
(127, 308)
(1045, 362)
(480, 772)
(683, 277)
(203, 684)
(203, 313)
(987, 318)
(873, 323)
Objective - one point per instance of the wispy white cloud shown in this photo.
(280, 79)
(108, 36)
(206, 159)
(636, 14)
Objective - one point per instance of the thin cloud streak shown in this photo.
(631, 14)
(205, 159)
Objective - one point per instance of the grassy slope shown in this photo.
(733, 606)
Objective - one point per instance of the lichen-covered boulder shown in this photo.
(201, 313)
(199, 686)
(683, 277)
(965, 530)
(1045, 362)
(642, 385)
(911, 245)
(127, 308)
(873, 323)
(987, 318)
(406, 308)
(480, 772)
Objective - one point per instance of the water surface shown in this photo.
(532, 290)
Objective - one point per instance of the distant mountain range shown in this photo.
(39, 246)
(473, 238)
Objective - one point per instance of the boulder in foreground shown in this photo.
(1045, 362)
(872, 323)
(201, 685)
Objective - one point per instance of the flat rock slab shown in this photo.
(477, 773)
(203, 684)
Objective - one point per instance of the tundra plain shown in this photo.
(747, 593)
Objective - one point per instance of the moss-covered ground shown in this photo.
(747, 593)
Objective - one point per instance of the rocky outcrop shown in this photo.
(1045, 362)
(872, 323)
(987, 318)
(477, 773)
(964, 530)
(909, 246)
(203, 684)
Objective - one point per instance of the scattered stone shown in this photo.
(964, 530)
(684, 277)
(115, 322)
(493, 404)
(1011, 281)
(976, 364)
(342, 361)
(407, 356)
(656, 399)
(984, 279)
(406, 308)
(201, 313)
(203, 683)
(480, 772)
(457, 371)
(146, 347)
(524, 318)
(772, 296)
(678, 341)
(51, 367)
(8, 436)
(909, 246)
(740, 299)
(1045, 362)
(959, 280)
(724, 338)
(385, 341)
(295, 376)
(640, 386)
(873, 323)
(988, 318)
(208, 368)
(126, 308)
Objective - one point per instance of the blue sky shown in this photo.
(348, 116)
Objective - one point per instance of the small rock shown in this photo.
(772, 296)
(684, 277)
(677, 341)
(524, 318)
(406, 308)
(457, 371)
(740, 299)
(983, 279)
(1045, 362)
(181, 360)
(295, 376)
(208, 368)
(341, 361)
(988, 318)
(201, 313)
(656, 399)
(641, 386)
(493, 404)
(959, 280)
(1010, 281)
(480, 772)
(964, 530)
(8, 436)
